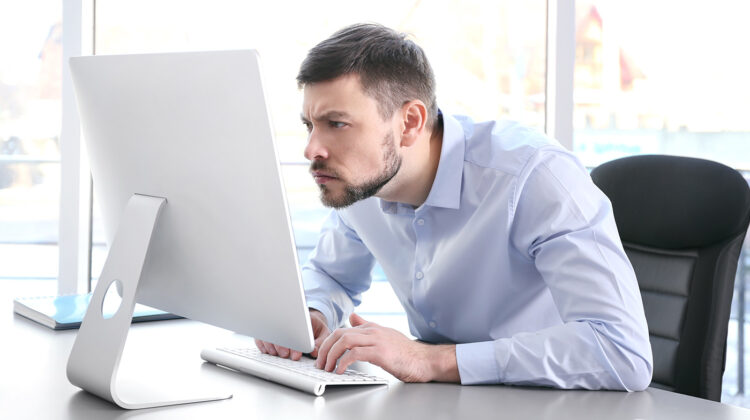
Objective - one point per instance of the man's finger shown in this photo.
(263, 346)
(361, 354)
(352, 339)
(282, 351)
(271, 349)
(318, 343)
(356, 320)
(326, 345)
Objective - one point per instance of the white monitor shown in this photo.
(183, 158)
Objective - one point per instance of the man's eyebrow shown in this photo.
(328, 115)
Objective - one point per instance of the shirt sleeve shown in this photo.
(337, 272)
(565, 226)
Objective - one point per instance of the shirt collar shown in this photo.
(446, 188)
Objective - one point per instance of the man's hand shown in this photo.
(407, 360)
(320, 332)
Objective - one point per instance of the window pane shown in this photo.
(30, 113)
(668, 77)
(489, 61)
(662, 77)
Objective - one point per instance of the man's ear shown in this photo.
(414, 117)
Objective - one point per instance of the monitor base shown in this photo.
(95, 358)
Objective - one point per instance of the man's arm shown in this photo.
(565, 226)
(407, 360)
(338, 271)
(334, 277)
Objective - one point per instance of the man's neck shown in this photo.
(413, 183)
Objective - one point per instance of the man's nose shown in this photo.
(315, 148)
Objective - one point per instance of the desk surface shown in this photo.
(33, 385)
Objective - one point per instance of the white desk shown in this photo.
(33, 386)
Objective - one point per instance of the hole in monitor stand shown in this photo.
(112, 299)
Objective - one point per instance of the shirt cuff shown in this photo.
(477, 364)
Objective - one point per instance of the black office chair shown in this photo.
(682, 222)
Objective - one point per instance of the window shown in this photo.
(662, 77)
(30, 117)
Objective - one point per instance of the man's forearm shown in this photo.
(572, 355)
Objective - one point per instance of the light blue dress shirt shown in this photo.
(514, 256)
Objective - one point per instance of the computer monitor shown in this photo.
(187, 177)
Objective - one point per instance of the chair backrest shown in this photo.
(682, 222)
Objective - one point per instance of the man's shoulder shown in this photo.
(504, 145)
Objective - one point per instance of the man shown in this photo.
(503, 253)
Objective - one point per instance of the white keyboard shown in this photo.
(301, 374)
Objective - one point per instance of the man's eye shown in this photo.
(307, 125)
(336, 124)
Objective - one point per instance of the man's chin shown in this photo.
(340, 194)
(333, 199)
(335, 204)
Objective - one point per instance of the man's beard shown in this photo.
(354, 193)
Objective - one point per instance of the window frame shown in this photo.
(74, 244)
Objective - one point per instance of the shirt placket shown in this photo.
(421, 278)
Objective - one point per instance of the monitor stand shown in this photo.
(95, 357)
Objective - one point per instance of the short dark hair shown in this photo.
(392, 69)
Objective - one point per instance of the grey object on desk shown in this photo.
(682, 222)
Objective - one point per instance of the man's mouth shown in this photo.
(323, 177)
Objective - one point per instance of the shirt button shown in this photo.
(420, 275)
(420, 222)
(433, 324)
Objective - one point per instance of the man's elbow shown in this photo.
(636, 373)
(631, 360)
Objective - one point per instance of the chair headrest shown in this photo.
(674, 202)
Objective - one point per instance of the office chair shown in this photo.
(682, 222)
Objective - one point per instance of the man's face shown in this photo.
(352, 150)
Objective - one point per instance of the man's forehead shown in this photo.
(336, 98)
(343, 86)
